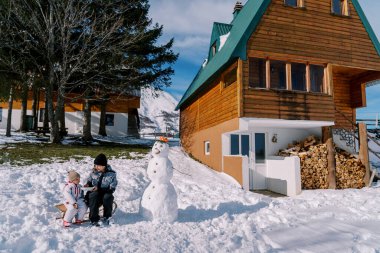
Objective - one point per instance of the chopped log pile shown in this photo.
(350, 171)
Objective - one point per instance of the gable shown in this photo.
(314, 34)
(250, 17)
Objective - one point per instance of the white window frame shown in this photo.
(207, 147)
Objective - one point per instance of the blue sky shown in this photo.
(190, 23)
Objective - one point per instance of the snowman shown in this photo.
(159, 201)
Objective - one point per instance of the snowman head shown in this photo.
(160, 149)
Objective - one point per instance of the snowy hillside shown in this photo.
(157, 113)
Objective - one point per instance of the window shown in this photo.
(277, 74)
(298, 76)
(213, 49)
(283, 75)
(239, 144)
(235, 144)
(340, 7)
(110, 119)
(1, 114)
(42, 115)
(294, 3)
(257, 72)
(260, 147)
(207, 148)
(317, 75)
(230, 77)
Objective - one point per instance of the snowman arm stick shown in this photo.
(182, 172)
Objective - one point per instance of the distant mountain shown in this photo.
(157, 112)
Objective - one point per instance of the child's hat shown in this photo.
(73, 175)
(101, 159)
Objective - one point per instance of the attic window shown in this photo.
(213, 49)
(340, 7)
(295, 3)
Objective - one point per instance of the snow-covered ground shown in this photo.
(215, 214)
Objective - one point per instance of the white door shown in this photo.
(258, 162)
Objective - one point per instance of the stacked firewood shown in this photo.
(350, 171)
(314, 165)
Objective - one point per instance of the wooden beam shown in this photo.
(329, 84)
(288, 76)
(267, 74)
(366, 77)
(363, 151)
(327, 138)
(308, 81)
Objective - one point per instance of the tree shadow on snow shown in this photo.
(192, 214)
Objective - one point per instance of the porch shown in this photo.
(250, 153)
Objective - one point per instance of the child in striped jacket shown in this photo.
(74, 200)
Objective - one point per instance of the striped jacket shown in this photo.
(72, 193)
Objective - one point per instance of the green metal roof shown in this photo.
(243, 25)
(218, 30)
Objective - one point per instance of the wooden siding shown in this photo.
(343, 102)
(210, 108)
(282, 104)
(314, 34)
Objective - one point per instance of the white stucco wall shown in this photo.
(74, 122)
(284, 175)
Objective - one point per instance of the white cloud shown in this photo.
(190, 23)
(191, 17)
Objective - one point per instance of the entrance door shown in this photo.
(258, 162)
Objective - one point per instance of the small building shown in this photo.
(280, 71)
(121, 114)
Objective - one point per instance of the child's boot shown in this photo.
(66, 224)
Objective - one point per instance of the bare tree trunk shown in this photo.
(46, 114)
(54, 133)
(60, 113)
(24, 105)
(102, 121)
(36, 98)
(10, 107)
(87, 121)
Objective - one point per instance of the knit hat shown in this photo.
(73, 175)
(101, 159)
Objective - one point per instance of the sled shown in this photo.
(62, 208)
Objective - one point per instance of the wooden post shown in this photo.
(327, 138)
(363, 151)
(267, 75)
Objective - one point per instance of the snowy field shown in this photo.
(215, 214)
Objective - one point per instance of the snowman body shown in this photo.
(159, 201)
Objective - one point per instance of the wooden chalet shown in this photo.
(279, 72)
